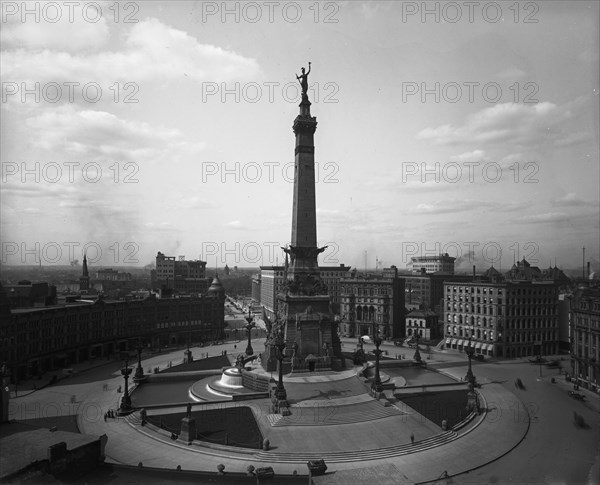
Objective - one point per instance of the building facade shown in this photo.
(372, 302)
(502, 318)
(271, 284)
(424, 323)
(426, 291)
(585, 337)
(256, 288)
(36, 340)
(432, 264)
(109, 274)
(180, 275)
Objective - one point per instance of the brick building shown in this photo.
(36, 340)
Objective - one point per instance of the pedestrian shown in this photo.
(412, 438)
(105, 417)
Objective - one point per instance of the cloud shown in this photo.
(89, 134)
(152, 51)
(53, 25)
(511, 73)
(546, 218)
(462, 205)
(572, 200)
(517, 124)
(472, 156)
(185, 203)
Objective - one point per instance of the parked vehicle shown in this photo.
(576, 395)
(480, 357)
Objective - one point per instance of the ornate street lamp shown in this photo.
(125, 407)
(251, 324)
(139, 371)
(376, 386)
(280, 393)
(470, 377)
(417, 356)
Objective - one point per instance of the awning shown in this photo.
(454, 341)
(461, 342)
(490, 347)
(478, 345)
(448, 341)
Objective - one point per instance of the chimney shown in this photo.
(474, 273)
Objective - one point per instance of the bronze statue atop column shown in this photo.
(303, 80)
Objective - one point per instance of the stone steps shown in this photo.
(359, 455)
(336, 415)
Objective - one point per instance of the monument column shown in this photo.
(303, 316)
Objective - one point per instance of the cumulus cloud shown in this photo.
(572, 200)
(545, 218)
(517, 124)
(152, 51)
(54, 25)
(99, 134)
(462, 205)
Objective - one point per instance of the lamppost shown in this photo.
(470, 377)
(280, 393)
(125, 407)
(251, 324)
(139, 371)
(417, 356)
(376, 386)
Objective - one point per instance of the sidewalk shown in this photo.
(497, 434)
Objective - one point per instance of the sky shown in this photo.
(136, 127)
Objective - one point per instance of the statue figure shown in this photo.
(189, 410)
(303, 80)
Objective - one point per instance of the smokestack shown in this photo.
(583, 263)
(473, 272)
(588, 270)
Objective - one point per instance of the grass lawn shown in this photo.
(437, 406)
(215, 362)
(234, 426)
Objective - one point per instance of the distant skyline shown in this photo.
(471, 132)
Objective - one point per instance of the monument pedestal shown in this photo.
(188, 430)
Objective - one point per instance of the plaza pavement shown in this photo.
(497, 433)
(503, 427)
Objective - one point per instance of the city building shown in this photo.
(503, 318)
(585, 337)
(256, 288)
(271, 284)
(109, 274)
(432, 264)
(36, 340)
(372, 301)
(425, 323)
(426, 291)
(180, 275)
(27, 294)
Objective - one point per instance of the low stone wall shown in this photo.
(182, 376)
(255, 382)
